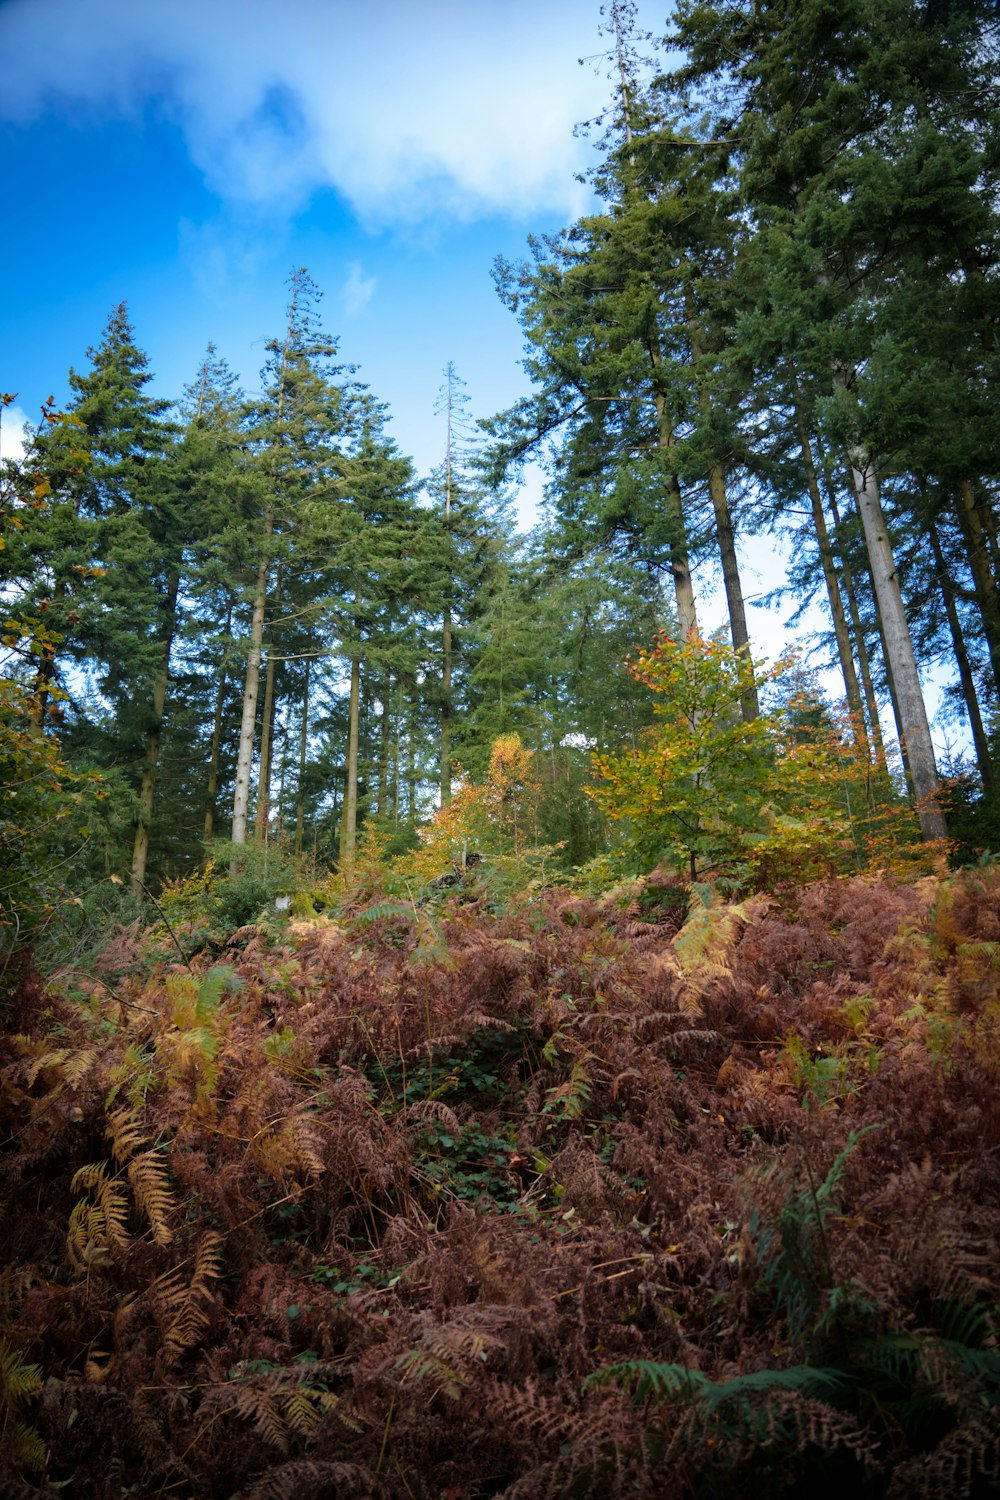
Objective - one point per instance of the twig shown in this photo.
(176, 941)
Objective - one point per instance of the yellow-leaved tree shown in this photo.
(706, 793)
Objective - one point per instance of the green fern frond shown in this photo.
(649, 1380)
(18, 1381)
(381, 911)
(569, 1099)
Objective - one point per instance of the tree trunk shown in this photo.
(858, 630)
(213, 759)
(965, 673)
(680, 566)
(248, 724)
(263, 809)
(384, 738)
(267, 731)
(446, 708)
(983, 575)
(846, 655)
(900, 656)
(300, 804)
(724, 533)
(446, 625)
(147, 791)
(349, 815)
(731, 577)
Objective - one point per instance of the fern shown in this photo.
(648, 1380)
(792, 1249)
(96, 1226)
(417, 1365)
(704, 947)
(181, 1306)
(125, 1134)
(569, 1099)
(18, 1383)
(148, 1175)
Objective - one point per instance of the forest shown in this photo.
(466, 1030)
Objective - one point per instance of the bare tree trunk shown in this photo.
(851, 685)
(384, 736)
(900, 655)
(248, 725)
(858, 630)
(734, 588)
(263, 809)
(349, 815)
(411, 771)
(446, 708)
(983, 575)
(965, 673)
(300, 803)
(446, 619)
(147, 790)
(212, 785)
(267, 730)
(724, 534)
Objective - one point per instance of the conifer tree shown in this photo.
(294, 428)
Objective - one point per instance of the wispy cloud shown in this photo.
(15, 433)
(407, 108)
(356, 293)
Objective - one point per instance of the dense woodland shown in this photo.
(466, 1030)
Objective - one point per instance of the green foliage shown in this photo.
(706, 791)
(792, 1248)
(18, 1383)
(219, 899)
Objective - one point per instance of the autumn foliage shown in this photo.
(638, 1197)
(788, 795)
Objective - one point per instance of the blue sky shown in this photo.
(185, 155)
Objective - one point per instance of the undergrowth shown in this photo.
(453, 1199)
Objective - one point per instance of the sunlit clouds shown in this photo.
(408, 109)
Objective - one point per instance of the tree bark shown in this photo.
(851, 685)
(248, 724)
(680, 566)
(212, 785)
(263, 810)
(446, 624)
(147, 791)
(724, 533)
(965, 673)
(300, 803)
(858, 632)
(349, 815)
(384, 737)
(900, 655)
(983, 575)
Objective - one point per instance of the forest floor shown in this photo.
(576, 1198)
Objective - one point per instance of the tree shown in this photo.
(293, 433)
(708, 792)
(853, 158)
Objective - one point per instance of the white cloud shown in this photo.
(15, 433)
(356, 293)
(407, 108)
